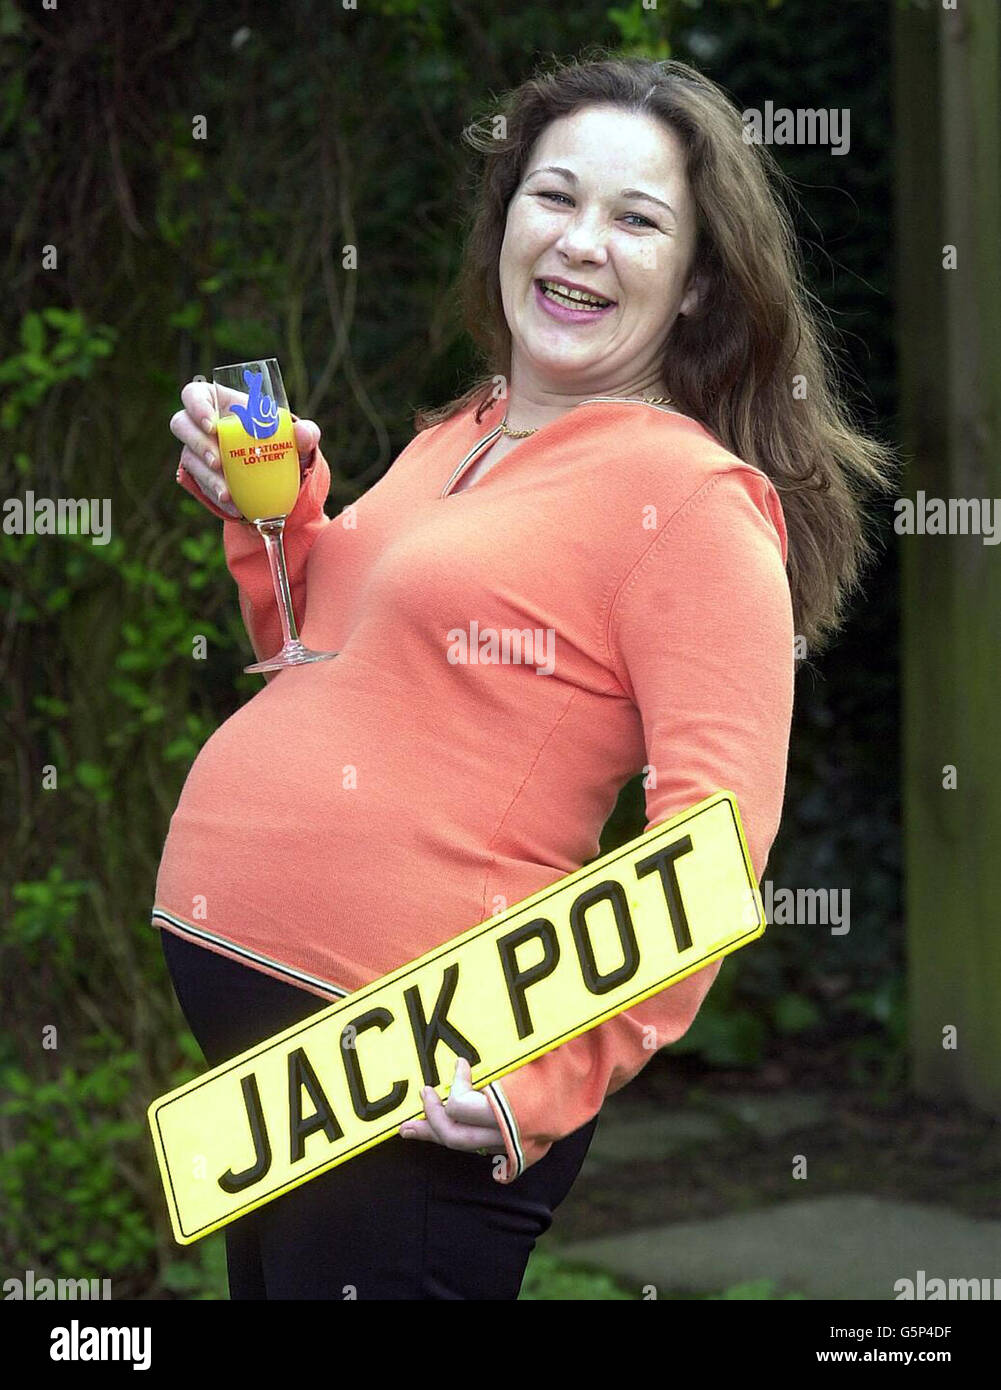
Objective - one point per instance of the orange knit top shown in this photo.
(357, 812)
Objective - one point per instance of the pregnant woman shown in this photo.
(653, 477)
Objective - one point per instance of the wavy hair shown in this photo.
(730, 364)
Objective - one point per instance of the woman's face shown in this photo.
(578, 216)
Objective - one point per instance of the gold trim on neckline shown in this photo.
(492, 433)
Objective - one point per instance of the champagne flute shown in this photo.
(261, 467)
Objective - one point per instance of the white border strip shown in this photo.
(494, 1088)
(244, 951)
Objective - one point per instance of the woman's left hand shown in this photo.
(464, 1121)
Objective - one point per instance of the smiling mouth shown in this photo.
(572, 299)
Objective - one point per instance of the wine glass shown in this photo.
(261, 467)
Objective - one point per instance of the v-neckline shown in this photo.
(477, 449)
(447, 491)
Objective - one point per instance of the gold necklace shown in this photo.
(523, 434)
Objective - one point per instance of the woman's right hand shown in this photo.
(195, 427)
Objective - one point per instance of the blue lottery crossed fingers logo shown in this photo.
(259, 417)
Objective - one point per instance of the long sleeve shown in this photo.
(247, 560)
(700, 635)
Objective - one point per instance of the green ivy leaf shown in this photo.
(33, 333)
(92, 776)
(794, 1013)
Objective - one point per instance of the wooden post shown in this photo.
(948, 135)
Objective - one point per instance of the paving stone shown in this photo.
(836, 1247)
(649, 1137)
(625, 1134)
(771, 1116)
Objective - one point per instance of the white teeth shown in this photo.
(579, 299)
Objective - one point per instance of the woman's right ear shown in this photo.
(693, 295)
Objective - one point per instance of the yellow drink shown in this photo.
(261, 474)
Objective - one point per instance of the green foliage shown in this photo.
(725, 1036)
(756, 1289)
(44, 916)
(201, 1274)
(641, 30)
(57, 345)
(72, 1206)
(878, 1057)
(548, 1278)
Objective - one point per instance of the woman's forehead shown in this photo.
(611, 149)
(605, 137)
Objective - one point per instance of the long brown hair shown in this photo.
(730, 364)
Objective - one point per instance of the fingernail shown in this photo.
(208, 424)
(210, 458)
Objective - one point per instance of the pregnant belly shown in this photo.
(324, 827)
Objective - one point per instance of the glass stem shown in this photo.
(272, 529)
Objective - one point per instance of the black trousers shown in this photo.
(407, 1219)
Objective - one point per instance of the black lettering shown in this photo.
(236, 1182)
(612, 892)
(663, 863)
(518, 980)
(365, 1108)
(300, 1074)
(429, 1032)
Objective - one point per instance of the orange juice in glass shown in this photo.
(260, 463)
(261, 474)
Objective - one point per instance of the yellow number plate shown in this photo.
(562, 961)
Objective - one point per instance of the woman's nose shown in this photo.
(584, 239)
